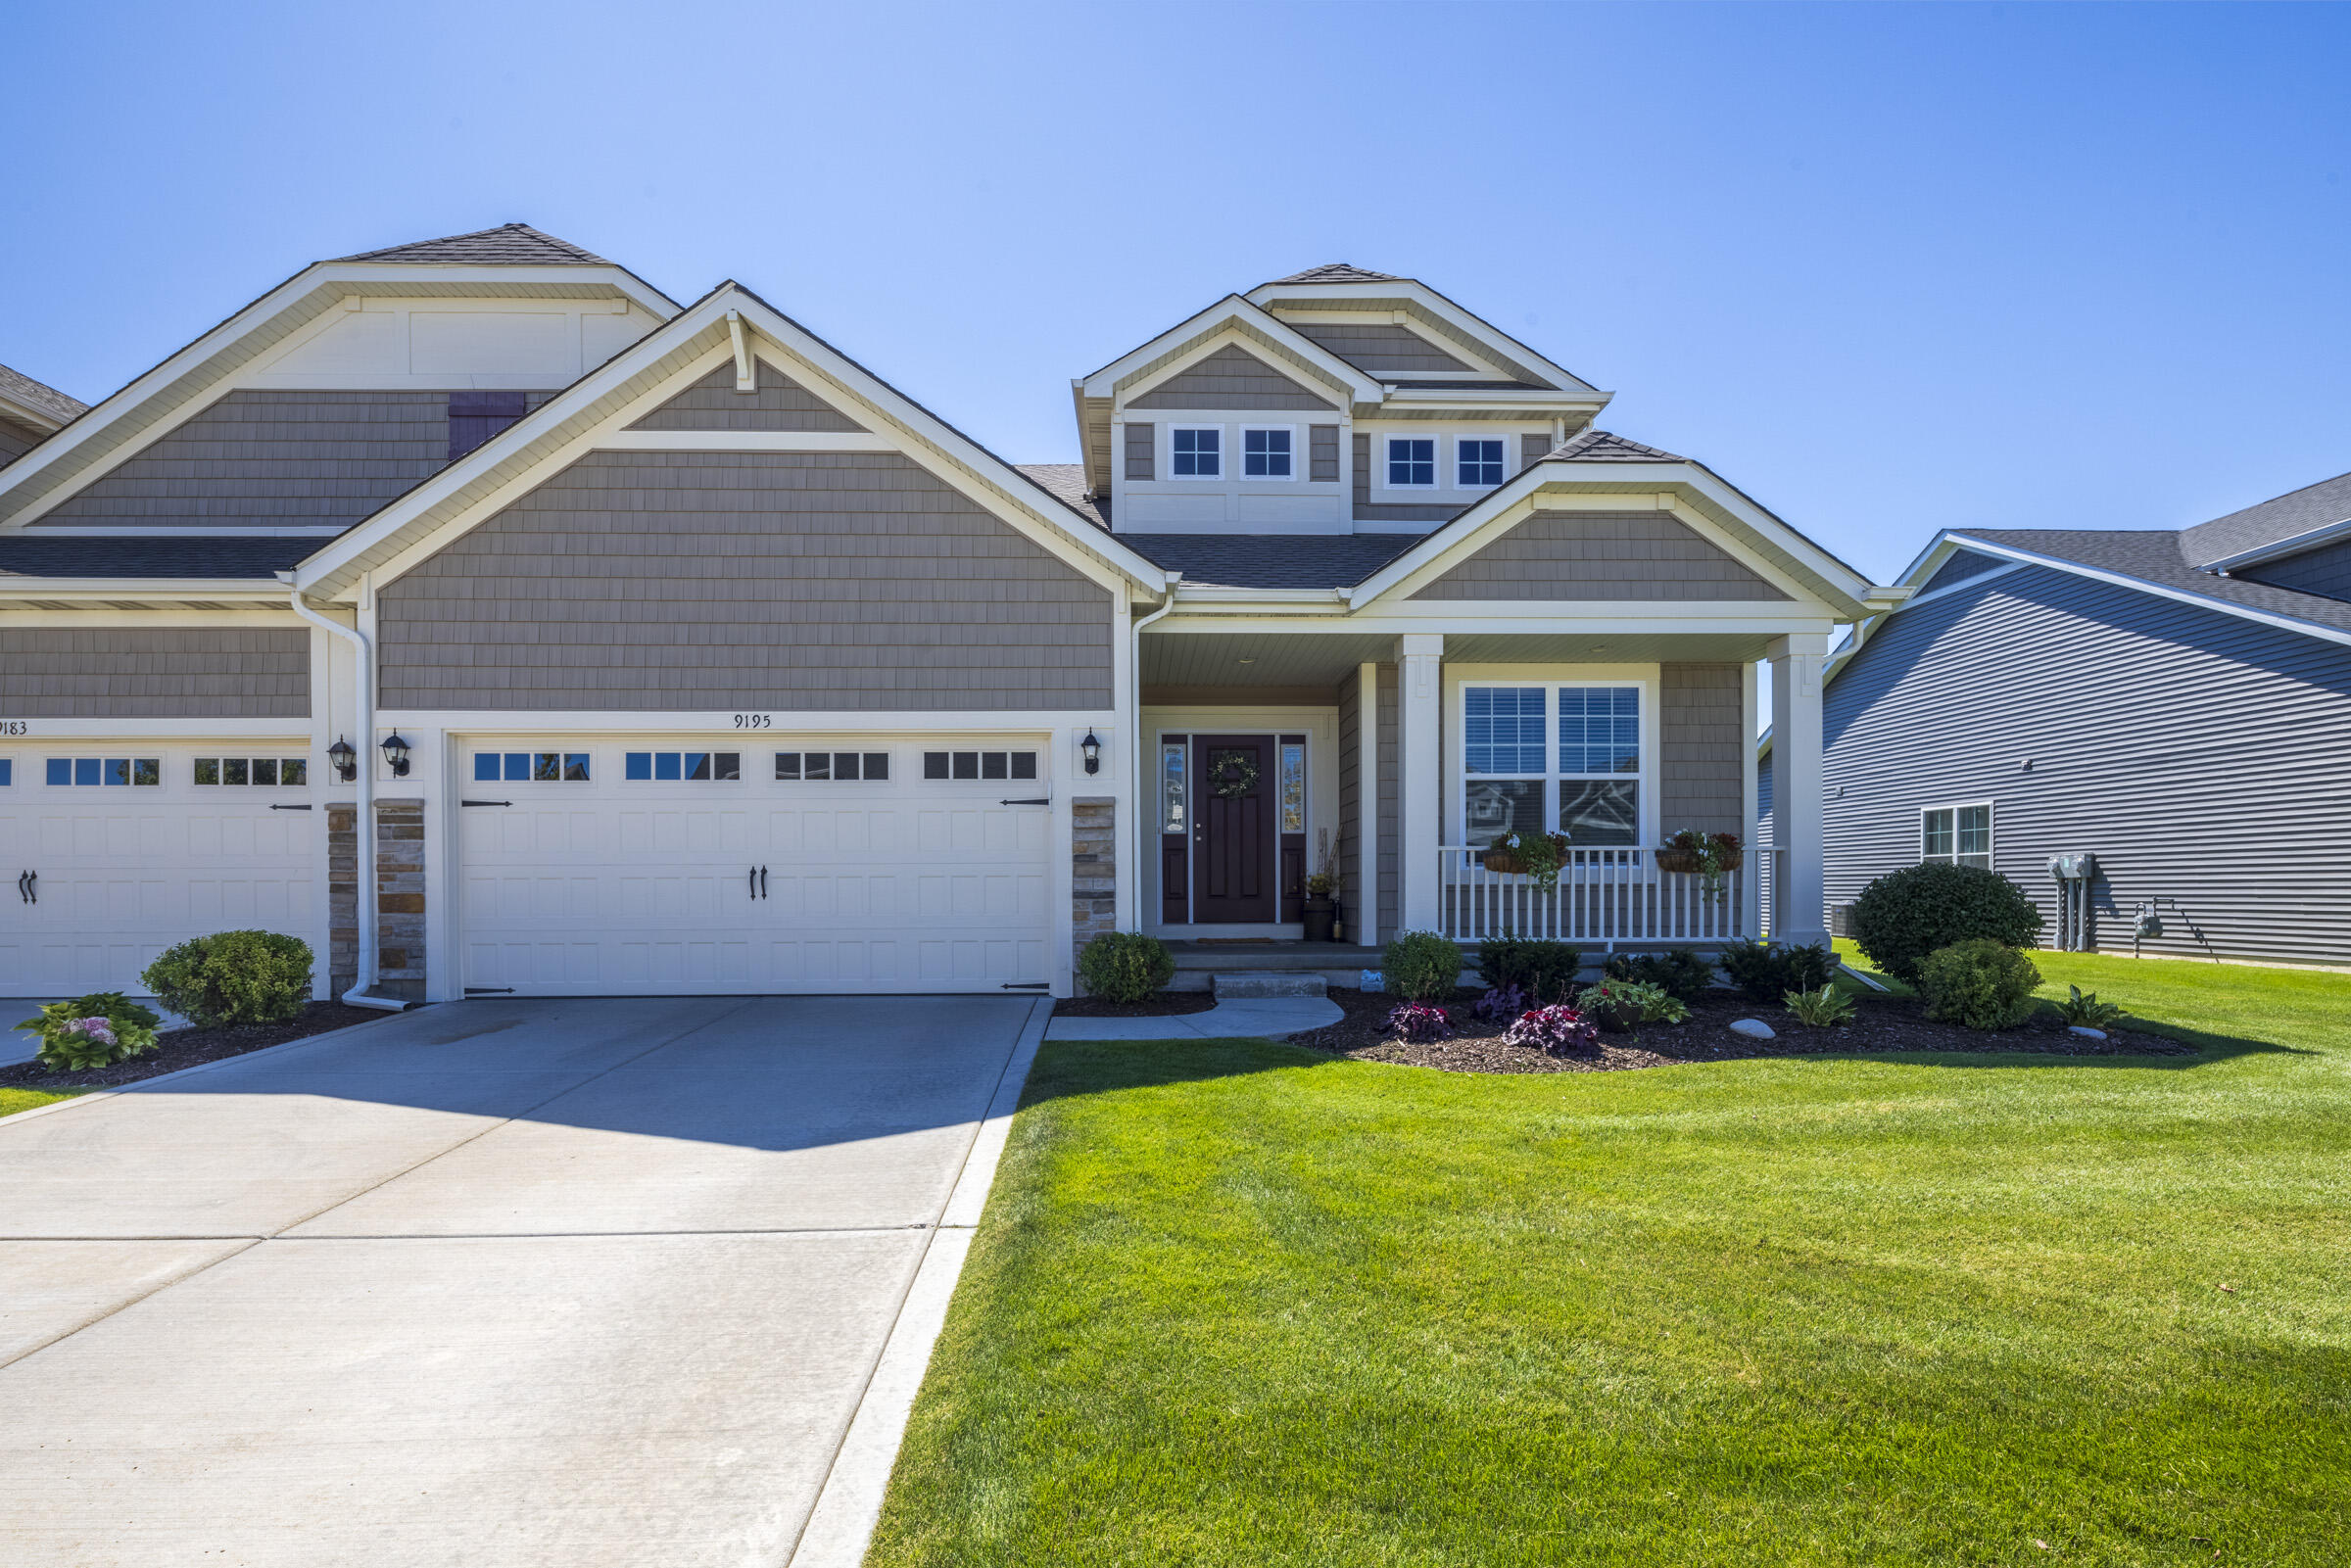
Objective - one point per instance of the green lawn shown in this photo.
(1236, 1304)
(13, 1101)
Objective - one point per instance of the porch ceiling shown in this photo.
(1303, 658)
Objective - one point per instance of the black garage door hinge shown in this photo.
(489, 990)
(1028, 985)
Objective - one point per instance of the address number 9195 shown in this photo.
(754, 721)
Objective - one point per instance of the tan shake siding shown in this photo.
(713, 403)
(1389, 783)
(1701, 784)
(159, 673)
(1381, 348)
(1230, 378)
(1531, 449)
(1392, 512)
(788, 581)
(274, 459)
(1347, 843)
(1600, 556)
(1322, 453)
(1141, 450)
(16, 440)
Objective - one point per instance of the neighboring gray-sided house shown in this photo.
(616, 645)
(31, 412)
(2176, 703)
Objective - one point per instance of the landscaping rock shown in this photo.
(2086, 1031)
(1753, 1028)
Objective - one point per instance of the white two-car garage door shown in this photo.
(117, 851)
(661, 867)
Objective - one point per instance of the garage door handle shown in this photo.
(29, 886)
(763, 881)
(485, 802)
(1044, 801)
(751, 882)
(279, 806)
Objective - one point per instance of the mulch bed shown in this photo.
(189, 1048)
(1163, 1005)
(1880, 1024)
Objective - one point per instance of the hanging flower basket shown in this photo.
(1509, 863)
(1693, 853)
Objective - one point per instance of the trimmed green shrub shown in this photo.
(1823, 1007)
(1543, 970)
(1907, 914)
(1420, 965)
(1126, 966)
(1981, 983)
(1680, 972)
(1765, 971)
(233, 977)
(90, 1031)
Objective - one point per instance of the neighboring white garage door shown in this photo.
(663, 866)
(128, 853)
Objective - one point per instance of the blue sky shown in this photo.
(1888, 268)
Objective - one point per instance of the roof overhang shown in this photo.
(1474, 332)
(1231, 314)
(2308, 538)
(162, 591)
(1535, 400)
(2180, 596)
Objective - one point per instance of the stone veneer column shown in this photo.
(400, 897)
(1093, 868)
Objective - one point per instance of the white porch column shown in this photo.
(1419, 777)
(1799, 913)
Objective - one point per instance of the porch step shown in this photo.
(1266, 982)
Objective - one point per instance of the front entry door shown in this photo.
(1233, 880)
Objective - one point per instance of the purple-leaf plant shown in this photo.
(1554, 1030)
(1417, 1020)
(1500, 1005)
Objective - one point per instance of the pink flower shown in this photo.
(100, 1029)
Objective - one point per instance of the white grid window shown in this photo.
(1477, 465)
(1956, 836)
(1549, 756)
(1196, 452)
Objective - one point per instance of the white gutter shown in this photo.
(1136, 669)
(364, 892)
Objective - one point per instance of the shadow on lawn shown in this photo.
(1067, 1068)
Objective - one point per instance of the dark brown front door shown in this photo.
(1232, 836)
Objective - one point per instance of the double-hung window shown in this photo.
(1196, 452)
(1546, 756)
(1411, 462)
(1265, 455)
(1956, 836)
(1477, 465)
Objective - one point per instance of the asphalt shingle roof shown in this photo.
(1606, 446)
(2154, 555)
(1066, 482)
(1260, 560)
(19, 388)
(509, 245)
(1340, 273)
(2283, 517)
(152, 556)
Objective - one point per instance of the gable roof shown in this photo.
(507, 245)
(2242, 534)
(18, 392)
(1607, 447)
(1065, 483)
(1340, 273)
(2153, 558)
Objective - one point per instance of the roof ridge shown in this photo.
(508, 245)
(1581, 447)
(1341, 272)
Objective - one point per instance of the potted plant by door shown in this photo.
(1322, 907)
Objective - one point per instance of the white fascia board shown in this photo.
(25, 414)
(343, 278)
(2205, 601)
(1325, 601)
(1474, 327)
(174, 589)
(1510, 397)
(2309, 539)
(1232, 309)
(493, 722)
(1509, 618)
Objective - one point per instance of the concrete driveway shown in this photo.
(560, 1282)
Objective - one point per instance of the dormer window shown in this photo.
(1196, 452)
(1478, 463)
(1411, 462)
(1265, 455)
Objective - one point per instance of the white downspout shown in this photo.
(364, 892)
(1134, 666)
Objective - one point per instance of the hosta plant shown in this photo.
(1554, 1030)
(2085, 1008)
(1500, 1005)
(1822, 1009)
(91, 1032)
(1417, 1020)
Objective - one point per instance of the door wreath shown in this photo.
(1233, 774)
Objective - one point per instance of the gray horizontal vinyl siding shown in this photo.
(788, 581)
(274, 459)
(1230, 378)
(1380, 348)
(2325, 570)
(1600, 556)
(1702, 782)
(713, 403)
(1962, 565)
(153, 673)
(2201, 757)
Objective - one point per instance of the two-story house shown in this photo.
(617, 645)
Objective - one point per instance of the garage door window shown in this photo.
(8, 772)
(266, 771)
(106, 771)
(531, 767)
(693, 767)
(831, 767)
(979, 764)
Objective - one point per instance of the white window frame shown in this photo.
(1646, 783)
(1240, 453)
(1502, 441)
(1224, 456)
(1954, 858)
(1436, 466)
(733, 743)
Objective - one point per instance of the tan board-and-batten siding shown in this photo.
(127, 672)
(1600, 556)
(785, 581)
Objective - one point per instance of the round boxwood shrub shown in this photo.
(1907, 914)
(1421, 964)
(1981, 983)
(1126, 966)
(1543, 970)
(233, 977)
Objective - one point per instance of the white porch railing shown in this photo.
(1612, 897)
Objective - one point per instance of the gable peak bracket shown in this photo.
(747, 374)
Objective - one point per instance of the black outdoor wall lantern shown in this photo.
(1091, 745)
(346, 761)
(396, 752)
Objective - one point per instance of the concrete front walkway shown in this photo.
(562, 1282)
